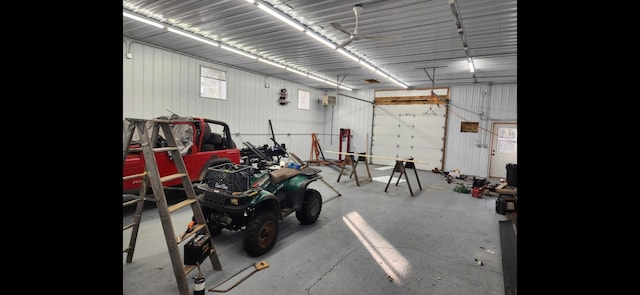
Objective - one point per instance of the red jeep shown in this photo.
(203, 143)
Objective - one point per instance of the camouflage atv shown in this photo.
(240, 197)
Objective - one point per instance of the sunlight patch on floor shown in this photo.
(389, 259)
(385, 179)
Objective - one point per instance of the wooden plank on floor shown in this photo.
(509, 245)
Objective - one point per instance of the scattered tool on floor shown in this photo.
(257, 266)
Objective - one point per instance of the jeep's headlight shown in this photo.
(234, 201)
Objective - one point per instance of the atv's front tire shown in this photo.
(311, 207)
(261, 234)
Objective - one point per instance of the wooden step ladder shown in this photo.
(152, 175)
(137, 216)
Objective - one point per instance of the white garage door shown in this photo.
(403, 131)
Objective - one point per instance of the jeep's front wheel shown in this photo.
(261, 234)
(311, 207)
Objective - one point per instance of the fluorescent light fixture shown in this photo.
(238, 52)
(297, 72)
(321, 39)
(398, 82)
(271, 63)
(381, 73)
(317, 78)
(471, 68)
(336, 85)
(144, 20)
(370, 67)
(193, 37)
(347, 54)
(281, 17)
(251, 1)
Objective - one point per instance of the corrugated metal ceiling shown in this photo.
(425, 36)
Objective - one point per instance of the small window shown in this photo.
(213, 83)
(304, 97)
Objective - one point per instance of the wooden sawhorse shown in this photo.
(348, 160)
(400, 167)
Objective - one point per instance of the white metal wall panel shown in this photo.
(348, 113)
(402, 131)
(482, 103)
(156, 81)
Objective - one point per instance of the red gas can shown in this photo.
(475, 192)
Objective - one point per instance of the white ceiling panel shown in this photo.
(422, 34)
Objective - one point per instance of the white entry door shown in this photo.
(504, 148)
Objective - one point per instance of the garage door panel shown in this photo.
(385, 130)
(409, 131)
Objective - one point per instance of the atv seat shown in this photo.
(282, 174)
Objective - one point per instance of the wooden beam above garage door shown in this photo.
(413, 96)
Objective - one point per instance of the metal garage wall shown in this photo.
(482, 103)
(353, 110)
(156, 80)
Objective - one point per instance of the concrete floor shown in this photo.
(366, 241)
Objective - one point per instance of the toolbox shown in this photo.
(197, 249)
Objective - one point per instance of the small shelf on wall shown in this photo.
(469, 127)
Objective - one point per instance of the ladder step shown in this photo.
(188, 268)
(172, 177)
(129, 203)
(135, 176)
(196, 228)
(182, 204)
(127, 226)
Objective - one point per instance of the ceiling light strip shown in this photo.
(238, 52)
(318, 37)
(234, 50)
(271, 63)
(367, 65)
(348, 54)
(455, 11)
(297, 72)
(317, 78)
(321, 39)
(144, 20)
(280, 16)
(193, 37)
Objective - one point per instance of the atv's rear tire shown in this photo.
(261, 234)
(311, 207)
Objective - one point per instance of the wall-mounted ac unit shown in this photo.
(328, 100)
